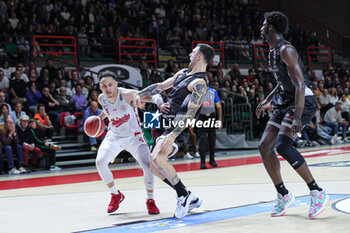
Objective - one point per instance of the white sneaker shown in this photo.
(188, 156)
(14, 171)
(196, 203)
(55, 168)
(334, 139)
(183, 204)
(22, 170)
(301, 143)
(197, 155)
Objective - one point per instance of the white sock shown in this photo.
(114, 190)
(149, 195)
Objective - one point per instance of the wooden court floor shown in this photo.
(238, 197)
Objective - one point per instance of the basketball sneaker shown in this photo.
(151, 207)
(196, 203)
(282, 203)
(183, 204)
(115, 201)
(319, 200)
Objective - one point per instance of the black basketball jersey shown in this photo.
(286, 93)
(180, 96)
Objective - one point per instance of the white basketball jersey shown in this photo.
(123, 119)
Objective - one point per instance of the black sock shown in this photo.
(168, 183)
(180, 189)
(281, 189)
(313, 186)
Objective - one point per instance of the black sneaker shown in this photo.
(203, 166)
(213, 163)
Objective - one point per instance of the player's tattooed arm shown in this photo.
(199, 89)
(149, 91)
(159, 87)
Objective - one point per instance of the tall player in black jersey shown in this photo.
(189, 86)
(293, 104)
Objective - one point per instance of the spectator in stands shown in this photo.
(89, 84)
(84, 90)
(92, 110)
(51, 69)
(80, 100)
(224, 92)
(333, 119)
(9, 142)
(333, 96)
(316, 90)
(68, 91)
(4, 114)
(74, 81)
(6, 68)
(4, 82)
(52, 105)
(44, 78)
(345, 107)
(53, 90)
(250, 77)
(31, 66)
(66, 102)
(2, 100)
(19, 69)
(44, 145)
(235, 72)
(17, 113)
(44, 123)
(33, 76)
(33, 97)
(26, 139)
(23, 50)
(325, 100)
(18, 89)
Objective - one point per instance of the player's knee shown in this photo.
(100, 161)
(265, 147)
(288, 152)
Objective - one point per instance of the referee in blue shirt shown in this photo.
(211, 102)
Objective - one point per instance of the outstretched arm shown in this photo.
(159, 87)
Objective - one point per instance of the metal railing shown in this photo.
(237, 115)
(108, 50)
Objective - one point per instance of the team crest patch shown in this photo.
(104, 100)
(123, 108)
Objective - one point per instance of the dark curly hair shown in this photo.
(278, 20)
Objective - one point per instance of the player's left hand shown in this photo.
(167, 144)
(296, 126)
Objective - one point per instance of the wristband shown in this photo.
(157, 99)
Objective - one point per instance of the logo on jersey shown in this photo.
(116, 122)
(152, 120)
(123, 108)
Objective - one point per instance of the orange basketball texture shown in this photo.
(94, 126)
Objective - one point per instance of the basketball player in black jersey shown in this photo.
(293, 106)
(189, 86)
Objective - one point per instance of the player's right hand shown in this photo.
(164, 108)
(260, 109)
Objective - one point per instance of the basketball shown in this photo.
(94, 126)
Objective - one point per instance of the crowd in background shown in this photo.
(173, 23)
(38, 96)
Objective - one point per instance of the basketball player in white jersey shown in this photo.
(124, 133)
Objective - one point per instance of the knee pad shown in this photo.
(288, 152)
